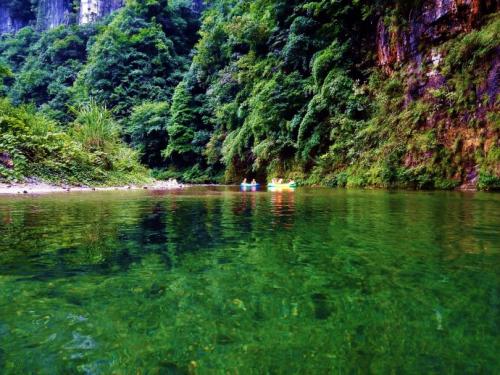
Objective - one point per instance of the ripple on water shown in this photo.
(93, 368)
(80, 341)
(74, 318)
(310, 282)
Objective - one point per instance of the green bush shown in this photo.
(40, 149)
(488, 182)
(146, 128)
(95, 128)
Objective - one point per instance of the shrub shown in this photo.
(146, 128)
(93, 154)
(94, 127)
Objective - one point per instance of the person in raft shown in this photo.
(244, 181)
(254, 182)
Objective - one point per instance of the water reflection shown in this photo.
(250, 188)
(309, 281)
(283, 208)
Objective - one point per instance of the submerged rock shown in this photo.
(156, 290)
(171, 368)
(2, 359)
(77, 318)
(80, 341)
(96, 367)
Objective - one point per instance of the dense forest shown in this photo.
(386, 93)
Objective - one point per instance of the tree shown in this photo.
(146, 128)
(180, 150)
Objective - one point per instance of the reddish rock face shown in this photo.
(415, 50)
(435, 22)
(416, 45)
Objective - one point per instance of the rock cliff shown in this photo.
(52, 13)
(47, 14)
(91, 10)
(416, 52)
(435, 22)
(14, 17)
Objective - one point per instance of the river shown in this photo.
(212, 279)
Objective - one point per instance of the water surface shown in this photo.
(215, 280)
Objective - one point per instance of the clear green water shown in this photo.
(218, 281)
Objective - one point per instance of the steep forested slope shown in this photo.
(358, 93)
(380, 93)
(84, 82)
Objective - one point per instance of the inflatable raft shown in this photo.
(291, 185)
(249, 185)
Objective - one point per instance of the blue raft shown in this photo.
(249, 185)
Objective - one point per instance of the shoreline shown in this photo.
(42, 188)
(36, 188)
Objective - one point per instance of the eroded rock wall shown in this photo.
(416, 51)
(435, 22)
(10, 22)
(47, 14)
(53, 13)
(91, 10)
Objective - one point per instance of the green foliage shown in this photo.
(46, 67)
(128, 64)
(14, 49)
(140, 56)
(470, 49)
(95, 128)
(5, 72)
(38, 148)
(488, 182)
(281, 88)
(273, 88)
(146, 128)
(326, 60)
(253, 68)
(180, 129)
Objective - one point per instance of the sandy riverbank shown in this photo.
(43, 188)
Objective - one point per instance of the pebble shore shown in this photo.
(44, 188)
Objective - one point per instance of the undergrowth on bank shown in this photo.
(89, 152)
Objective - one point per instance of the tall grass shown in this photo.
(95, 128)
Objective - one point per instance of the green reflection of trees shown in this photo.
(352, 282)
(44, 233)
